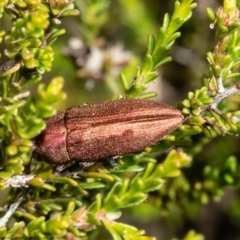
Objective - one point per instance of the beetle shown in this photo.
(93, 132)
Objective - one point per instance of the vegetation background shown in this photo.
(127, 25)
(97, 46)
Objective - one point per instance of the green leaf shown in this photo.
(147, 64)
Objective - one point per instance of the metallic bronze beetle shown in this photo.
(97, 131)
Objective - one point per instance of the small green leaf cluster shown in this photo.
(221, 124)
(157, 51)
(22, 115)
(60, 9)
(126, 193)
(224, 62)
(44, 174)
(60, 225)
(123, 231)
(15, 232)
(34, 28)
(33, 31)
(76, 207)
(187, 192)
(21, 120)
(212, 124)
(27, 35)
(196, 100)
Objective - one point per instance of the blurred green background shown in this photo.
(120, 41)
